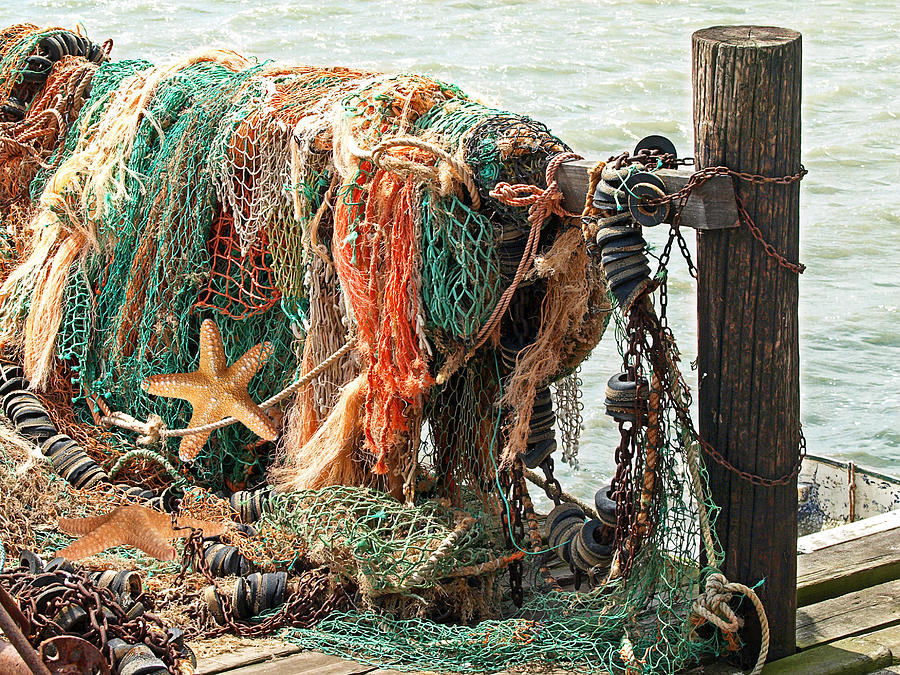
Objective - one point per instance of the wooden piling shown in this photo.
(746, 84)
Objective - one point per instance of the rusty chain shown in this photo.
(699, 177)
(105, 617)
(681, 404)
(552, 487)
(517, 506)
(302, 609)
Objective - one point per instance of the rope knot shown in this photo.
(151, 434)
(520, 194)
(712, 605)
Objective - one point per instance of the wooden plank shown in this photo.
(840, 658)
(848, 615)
(849, 656)
(243, 656)
(849, 532)
(848, 567)
(301, 664)
(710, 207)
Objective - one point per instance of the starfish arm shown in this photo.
(212, 352)
(152, 543)
(186, 386)
(242, 371)
(251, 416)
(80, 526)
(192, 444)
(106, 536)
(209, 528)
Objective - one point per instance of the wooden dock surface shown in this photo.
(848, 621)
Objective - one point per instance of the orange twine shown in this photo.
(375, 264)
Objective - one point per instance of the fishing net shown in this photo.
(305, 207)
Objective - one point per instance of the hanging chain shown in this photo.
(681, 403)
(517, 527)
(552, 487)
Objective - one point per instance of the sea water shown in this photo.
(602, 75)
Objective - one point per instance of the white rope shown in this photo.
(713, 606)
(398, 164)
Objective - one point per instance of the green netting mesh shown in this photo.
(384, 545)
(460, 274)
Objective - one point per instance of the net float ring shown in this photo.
(644, 192)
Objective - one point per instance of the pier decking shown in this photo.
(848, 621)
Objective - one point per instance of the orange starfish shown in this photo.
(132, 525)
(215, 391)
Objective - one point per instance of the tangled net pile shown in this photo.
(304, 206)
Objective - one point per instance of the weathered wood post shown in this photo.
(746, 83)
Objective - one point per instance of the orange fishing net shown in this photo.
(240, 285)
(375, 262)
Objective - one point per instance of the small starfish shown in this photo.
(132, 525)
(215, 391)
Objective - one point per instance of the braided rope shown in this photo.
(154, 429)
(713, 606)
(541, 205)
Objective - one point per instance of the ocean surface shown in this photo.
(602, 75)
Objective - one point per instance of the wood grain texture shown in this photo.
(848, 566)
(243, 656)
(710, 207)
(746, 83)
(849, 615)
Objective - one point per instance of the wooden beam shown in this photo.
(710, 207)
(746, 83)
(849, 532)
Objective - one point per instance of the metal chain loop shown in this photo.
(699, 177)
(552, 487)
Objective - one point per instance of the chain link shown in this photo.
(552, 487)
(517, 506)
(699, 177)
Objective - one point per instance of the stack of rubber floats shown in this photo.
(585, 544)
(31, 420)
